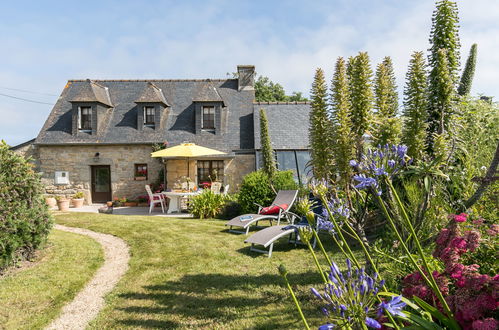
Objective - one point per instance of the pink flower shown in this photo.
(494, 230)
(443, 236)
(460, 217)
(458, 243)
(473, 239)
(478, 221)
(485, 324)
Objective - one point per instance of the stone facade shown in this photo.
(77, 160)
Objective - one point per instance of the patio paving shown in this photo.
(94, 208)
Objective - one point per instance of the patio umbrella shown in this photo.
(186, 150)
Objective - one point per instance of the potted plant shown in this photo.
(119, 201)
(131, 202)
(50, 200)
(78, 199)
(109, 204)
(143, 200)
(62, 203)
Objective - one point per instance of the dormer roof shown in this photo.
(208, 93)
(152, 94)
(92, 91)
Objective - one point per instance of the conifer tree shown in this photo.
(415, 105)
(342, 126)
(468, 73)
(361, 98)
(387, 126)
(441, 98)
(268, 157)
(320, 129)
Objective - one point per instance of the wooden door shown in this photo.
(101, 184)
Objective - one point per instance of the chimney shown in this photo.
(246, 77)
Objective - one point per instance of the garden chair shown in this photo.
(215, 187)
(278, 210)
(268, 236)
(155, 199)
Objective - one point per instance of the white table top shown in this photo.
(180, 193)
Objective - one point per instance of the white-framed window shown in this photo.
(85, 119)
(208, 117)
(149, 112)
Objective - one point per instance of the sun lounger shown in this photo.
(275, 212)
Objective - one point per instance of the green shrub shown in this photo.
(207, 204)
(24, 217)
(257, 188)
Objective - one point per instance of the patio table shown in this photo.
(175, 197)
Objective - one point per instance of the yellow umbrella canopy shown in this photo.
(187, 150)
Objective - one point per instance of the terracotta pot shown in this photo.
(63, 204)
(51, 202)
(78, 202)
(109, 204)
(130, 203)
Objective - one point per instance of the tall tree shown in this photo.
(468, 73)
(268, 91)
(342, 126)
(415, 105)
(320, 129)
(441, 97)
(268, 157)
(387, 126)
(361, 98)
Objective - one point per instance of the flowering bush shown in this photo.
(471, 294)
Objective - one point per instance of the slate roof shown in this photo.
(288, 124)
(207, 93)
(91, 91)
(152, 94)
(180, 125)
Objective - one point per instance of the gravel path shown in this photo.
(89, 301)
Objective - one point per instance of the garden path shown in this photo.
(89, 301)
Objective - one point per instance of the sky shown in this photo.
(45, 43)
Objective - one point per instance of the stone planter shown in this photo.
(63, 204)
(78, 202)
(51, 202)
(131, 203)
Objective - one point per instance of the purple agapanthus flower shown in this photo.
(372, 323)
(394, 307)
(326, 326)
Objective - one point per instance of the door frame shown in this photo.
(92, 182)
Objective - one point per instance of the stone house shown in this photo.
(100, 134)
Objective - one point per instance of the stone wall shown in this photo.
(78, 159)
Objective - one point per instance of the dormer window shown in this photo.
(85, 119)
(149, 116)
(208, 117)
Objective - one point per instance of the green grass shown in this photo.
(30, 298)
(189, 273)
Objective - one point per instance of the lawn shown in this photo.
(189, 273)
(31, 297)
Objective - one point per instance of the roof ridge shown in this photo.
(280, 102)
(148, 80)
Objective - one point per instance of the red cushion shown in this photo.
(274, 209)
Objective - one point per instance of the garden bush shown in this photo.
(24, 217)
(258, 188)
(208, 204)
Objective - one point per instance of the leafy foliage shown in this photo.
(207, 204)
(387, 127)
(468, 73)
(342, 124)
(24, 217)
(320, 134)
(258, 188)
(361, 97)
(268, 156)
(415, 105)
(268, 91)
